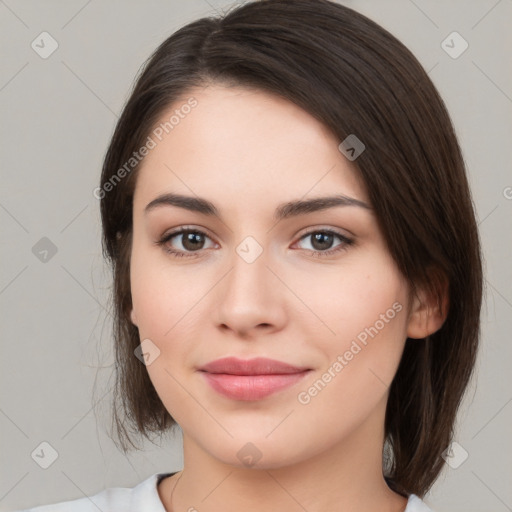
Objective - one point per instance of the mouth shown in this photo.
(252, 379)
(256, 366)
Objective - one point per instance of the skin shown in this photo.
(247, 152)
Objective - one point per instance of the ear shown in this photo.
(427, 314)
(133, 318)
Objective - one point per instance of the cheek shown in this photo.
(163, 302)
(367, 312)
(353, 297)
(367, 315)
(161, 297)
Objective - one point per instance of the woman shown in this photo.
(296, 264)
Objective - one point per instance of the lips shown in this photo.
(254, 379)
(256, 366)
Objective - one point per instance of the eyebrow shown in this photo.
(283, 211)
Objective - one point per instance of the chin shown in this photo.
(258, 452)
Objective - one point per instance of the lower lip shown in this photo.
(251, 387)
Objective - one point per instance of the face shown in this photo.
(316, 289)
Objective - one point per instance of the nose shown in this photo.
(250, 298)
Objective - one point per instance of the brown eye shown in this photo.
(322, 241)
(190, 240)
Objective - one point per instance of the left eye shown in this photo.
(192, 241)
(322, 241)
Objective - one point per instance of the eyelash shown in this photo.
(318, 254)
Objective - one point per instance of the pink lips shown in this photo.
(253, 379)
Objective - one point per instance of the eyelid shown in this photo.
(339, 231)
(320, 227)
(187, 227)
(184, 228)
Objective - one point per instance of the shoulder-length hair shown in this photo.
(356, 78)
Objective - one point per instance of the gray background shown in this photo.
(58, 114)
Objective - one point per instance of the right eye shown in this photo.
(192, 241)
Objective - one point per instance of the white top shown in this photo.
(144, 497)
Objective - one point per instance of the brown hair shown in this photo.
(356, 78)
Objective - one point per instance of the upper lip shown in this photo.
(256, 366)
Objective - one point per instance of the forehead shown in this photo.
(241, 144)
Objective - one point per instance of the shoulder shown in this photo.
(144, 496)
(416, 504)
